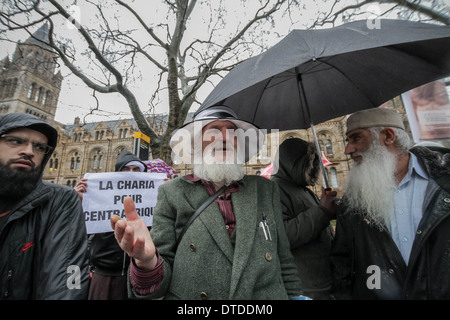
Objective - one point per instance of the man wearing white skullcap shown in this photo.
(392, 230)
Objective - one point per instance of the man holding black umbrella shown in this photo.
(392, 233)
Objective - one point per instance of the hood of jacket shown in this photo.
(12, 121)
(126, 156)
(298, 162)
(436, 162)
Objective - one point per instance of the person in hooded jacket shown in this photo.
(306, 218)
(43, 241)
(109, 263)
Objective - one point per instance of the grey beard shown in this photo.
(225, 173)
(371, 186)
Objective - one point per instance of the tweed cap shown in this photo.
(375, 117)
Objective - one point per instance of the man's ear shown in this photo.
(389, 136)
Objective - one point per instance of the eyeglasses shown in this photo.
(14, 142)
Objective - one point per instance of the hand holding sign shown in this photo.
(133, 236)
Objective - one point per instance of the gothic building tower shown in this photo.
(30, 82)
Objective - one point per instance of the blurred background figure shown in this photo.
(306, 218)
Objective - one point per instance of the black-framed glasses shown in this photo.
(14, 142)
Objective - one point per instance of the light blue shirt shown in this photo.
(408, 204)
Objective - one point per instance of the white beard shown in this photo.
(371, 186)
(225, 173)
(219, 170)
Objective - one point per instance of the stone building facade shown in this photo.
(29, 83)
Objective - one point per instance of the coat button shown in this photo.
(419, 232)
(203, 295)
(268, 256)
(192, 247)
(391, 271)
(447, 200)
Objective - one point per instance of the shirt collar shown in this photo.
(415, 166)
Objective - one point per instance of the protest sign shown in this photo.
(106, 191)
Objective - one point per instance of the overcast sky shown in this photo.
(76, 98)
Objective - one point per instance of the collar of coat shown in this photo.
(437, 164)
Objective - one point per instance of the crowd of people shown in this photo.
(221, 234)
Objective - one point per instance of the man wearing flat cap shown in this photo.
(236, 248)
(392, 232)
(43, 241)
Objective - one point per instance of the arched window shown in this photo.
(77, 164)
(95, 163)
(72, 163)
(321, 145)
(37, 97)
(31, 90)
(334, 179)
(329, 146)
(56, 164)
(100, 161)
(46, 97)
(50, 165)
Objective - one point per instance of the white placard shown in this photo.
(106, 191)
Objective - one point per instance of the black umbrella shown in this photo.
(312, 76)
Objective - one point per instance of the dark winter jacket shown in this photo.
(307, 223)
(106, 257)
(43, 244)
(367, 263)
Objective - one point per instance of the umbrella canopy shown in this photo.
(312, 76)
(160, 166)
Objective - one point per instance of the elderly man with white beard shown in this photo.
(393, 226)
(236, 248)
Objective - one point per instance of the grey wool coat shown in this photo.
(211, 264)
